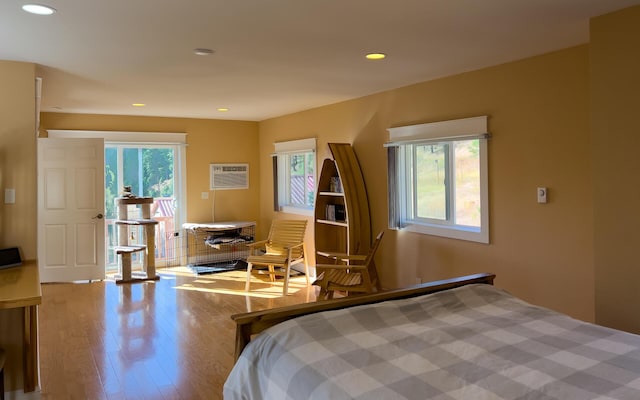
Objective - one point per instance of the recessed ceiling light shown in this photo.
(223, 109)
(138, 104)
(203, 52)
(375, 56)
(38, 9)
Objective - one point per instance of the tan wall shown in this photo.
(210, 141)
(17, 171)
(18, 155)
(615, 89)
(538, 112)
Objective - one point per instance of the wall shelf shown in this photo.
(334, 194)
(336, 223)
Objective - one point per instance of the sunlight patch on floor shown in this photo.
(271, 293)
(232, 283)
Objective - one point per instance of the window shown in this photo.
(149, 170)
(295, 176)
(438, 179)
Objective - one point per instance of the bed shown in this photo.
(453, 339)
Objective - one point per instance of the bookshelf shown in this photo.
(342, 223)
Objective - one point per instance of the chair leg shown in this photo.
(246, 286)
(306, 264)
(374, 276)
(272, 274)
(285, 288)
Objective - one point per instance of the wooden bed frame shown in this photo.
(249, 324)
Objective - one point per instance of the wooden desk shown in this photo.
(20, 288)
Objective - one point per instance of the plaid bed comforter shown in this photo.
(474, 342)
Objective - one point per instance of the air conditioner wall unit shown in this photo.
(228, 176)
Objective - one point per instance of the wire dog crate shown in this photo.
(220, 246)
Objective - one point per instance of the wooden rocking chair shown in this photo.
(283, 248)
(356, 274)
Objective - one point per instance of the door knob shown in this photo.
(99, 216)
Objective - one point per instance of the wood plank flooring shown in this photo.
(166, 339)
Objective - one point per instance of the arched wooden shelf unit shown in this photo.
(342, 221)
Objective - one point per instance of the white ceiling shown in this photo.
(272, 57)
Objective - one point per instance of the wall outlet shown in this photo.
(204, 195)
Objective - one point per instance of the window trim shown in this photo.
(445, 131)
(281, 156)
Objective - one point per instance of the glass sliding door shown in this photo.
(150, 171)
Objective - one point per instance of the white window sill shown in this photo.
(453, 232)
(308, 212)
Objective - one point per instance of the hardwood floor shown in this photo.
(166, 339)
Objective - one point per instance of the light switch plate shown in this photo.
(9, 196)
(542, 195)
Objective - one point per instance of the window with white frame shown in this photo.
(295, 176)
(438, 179)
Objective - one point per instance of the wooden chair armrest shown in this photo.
(354, 257)
(341, 266)
(290, 246)
(281, 245)
(258, 243)
(329, 254)
(342, 256)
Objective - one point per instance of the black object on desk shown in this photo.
(10, 258)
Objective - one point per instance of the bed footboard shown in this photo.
(248, 324)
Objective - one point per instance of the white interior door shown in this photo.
(71, 209)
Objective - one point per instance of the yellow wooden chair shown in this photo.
(356, 274)
(283, 248)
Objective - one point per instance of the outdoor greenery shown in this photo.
(149, 172)
(434, 181)
(110, 181)
(431, 181)
(158, 172)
